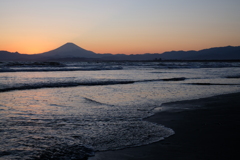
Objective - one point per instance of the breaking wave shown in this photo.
(55, 66)
(234, 76)
(84, 83)
(208, 84)
(96, 66)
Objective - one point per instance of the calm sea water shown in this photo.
(59, 109)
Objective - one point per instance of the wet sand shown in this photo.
(210, 131)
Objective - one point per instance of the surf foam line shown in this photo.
(95, 102)
(63, 84)
(209, 84)
(75, 84)
(56, 69)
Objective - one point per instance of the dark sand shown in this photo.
(210, 131)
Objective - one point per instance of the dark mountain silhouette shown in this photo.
(5, 55)
(218, 53)
(14, 56)
(69, 50)
(72, 52)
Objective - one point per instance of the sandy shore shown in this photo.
(210, 131)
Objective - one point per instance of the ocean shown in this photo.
(70, 110)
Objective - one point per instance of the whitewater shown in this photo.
(73, 109)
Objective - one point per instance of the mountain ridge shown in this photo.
(68, 50)
(71, 51)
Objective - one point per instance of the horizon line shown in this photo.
(122, 53)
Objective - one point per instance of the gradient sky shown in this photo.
(118, 26)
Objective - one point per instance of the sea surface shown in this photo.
(70, 110)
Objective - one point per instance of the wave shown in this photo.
(233, 76)
(57, 69)
(181, 65)
(208, 84)
(175, 79)
(95, 102)
(55, 66)
(86, 83)
(34, 64)
(53, 69)
(64, 151)
(96, 66)
(62, 84)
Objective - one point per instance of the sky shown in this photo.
(118, 26)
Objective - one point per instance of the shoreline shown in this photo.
(208, 131)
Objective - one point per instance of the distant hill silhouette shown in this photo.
(218, 53)
(9, 56)
(72, 52)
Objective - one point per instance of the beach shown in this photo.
(207, 130)
(119, 110)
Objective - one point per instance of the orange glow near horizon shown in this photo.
(31, 48)
(36, 48)
(118, 27)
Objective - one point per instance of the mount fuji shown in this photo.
(72, 52)
(69, 50)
